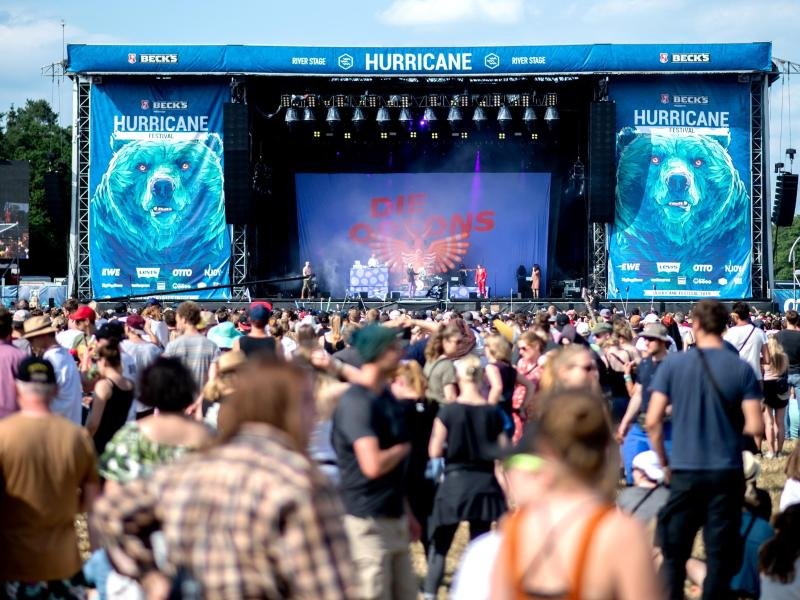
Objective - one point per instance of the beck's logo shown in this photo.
(663, 57)
(145, 104)
(664, 98)
(132, 58)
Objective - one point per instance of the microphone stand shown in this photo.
(653, 298)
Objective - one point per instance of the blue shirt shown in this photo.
(644, 376)
(706, 429)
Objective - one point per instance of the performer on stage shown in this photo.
(412, 282)
(373, 261)
(536, 280)
(308, 274)
(480, 280)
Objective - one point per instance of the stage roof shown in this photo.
(426, 62)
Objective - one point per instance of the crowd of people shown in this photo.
(260, 453)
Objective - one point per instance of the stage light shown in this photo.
(496, 99)
(434, 135)
(405, 100)
(393, 101)
(308, 115)
(524, 100)
(501, 135)
(434, 100)
(333, 119)
(551, 115)
(384, 135)
(369, 100)
(383, 118)
(463, 100)
(529, 117)
(286, 100)
(464, 135)
(292, 116)
(412, 134)
(405, 119)
(534, 136)
(479, 117)
(504, 117)
(429, 116)
(317, 133)
(347, 135)
(513, 99)
(359, 119)
(454, 117)
(340, 100)
(311, 101)
(550, 99)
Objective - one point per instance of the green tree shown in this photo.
(32, 133)
(783, 243)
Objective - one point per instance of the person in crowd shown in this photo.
(779, 558)
(154, 323)
(464, 433)
(10, 357)
(48, 471)
(332, 340)
(221, 386)
(648, 494)
(439, 371)
(750, 341)
(112, 397)
(630, 432)
(620, 358)
(258, 340)
(41, 334)
(530, 347)
(569, 367)
(570, 542)
(789, 339)
(136, 345)
(192, 348)
(290, 541)
(171, 321)
(776, 398)
(79, 330)
(18, 331)
(372, 444)
(715, 399)
(502, 379)
(791, 489)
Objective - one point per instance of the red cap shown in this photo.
(82, 313)
(264, 303)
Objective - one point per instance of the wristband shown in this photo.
(628, 378)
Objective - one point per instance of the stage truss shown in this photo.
(598, 259)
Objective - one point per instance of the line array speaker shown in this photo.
(602, 176)
(785, 199)
(238, 189)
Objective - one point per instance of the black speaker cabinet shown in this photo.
(602, 170)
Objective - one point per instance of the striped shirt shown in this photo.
(196, 352)
(249, 519)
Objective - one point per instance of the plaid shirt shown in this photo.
(249, 519)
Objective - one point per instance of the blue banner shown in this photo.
(682, 227)
(157, 212)
(786, 299)
(471, 60)
(436, 222)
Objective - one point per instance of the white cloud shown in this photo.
(438, 12)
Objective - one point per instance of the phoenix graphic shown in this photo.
(437, 256)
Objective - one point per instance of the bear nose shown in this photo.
(678, 183)
(163, 188)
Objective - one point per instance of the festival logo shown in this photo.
(492, 61)
(346, 61)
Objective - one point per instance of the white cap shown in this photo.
(394, 314)
(647, 462)
(582, 328)
(651, 318)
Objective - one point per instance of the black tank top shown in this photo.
(508, 375)
(252, 346)
(114, 416)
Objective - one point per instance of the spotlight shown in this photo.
(359, 119)
(405, 119)
(504, 117)
(496, 99)
(529, 118)
(479, 117)
(463, 100)
(383, 118)
(311, 101)
(454, 117)
(333, 119)
(393, 100)
(308, 115)
(405, 100)
(501, 135)
(369, 100)
(550, 99)
(292, 117)
(434, 100)
(340, 100)
(286, 100)
(429, 117)
(551, 115)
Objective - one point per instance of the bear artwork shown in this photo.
(160, 204)
(679, 201)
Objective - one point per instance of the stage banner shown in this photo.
(438, 223)
(683, 226)
(157, 211)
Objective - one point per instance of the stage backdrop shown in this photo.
(157, 213)
(436, 221)
(682, 226)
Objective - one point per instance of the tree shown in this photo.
(33, 134)
(786, 236)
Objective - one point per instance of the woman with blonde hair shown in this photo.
(333, 340)
(571, 542)
(569, 367)
(776, 397)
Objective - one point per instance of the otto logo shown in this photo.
(668, 267)
(629, 266)
(701, 281)
(132, 58)
(677, 99)
(171, 105)
(731, 268)
(492, 61)
(147, 272)
(209, 272)
(181, 272)
(664, 98)
(109, 272)
(691, 57)
(663, 57)
(144, 104)
(158, 58)
(346, 61)
(703, 268)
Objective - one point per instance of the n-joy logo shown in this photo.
(209, 272)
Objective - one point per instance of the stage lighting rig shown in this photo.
(359, 119)
(479, 117)
(311, 101)
(551, 99)
(529, 118)
(435, 100)
(308, 115)
(496, 99)
(405, 119)
(292, 117)
(383, 118)
(369, 100)
(551, 116)
(504, 117)
(340, 101)
(333, 118)
(454, 118)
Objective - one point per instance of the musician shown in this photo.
(373, 261)
(536, 280)
(412, 282)
(308, 274)
(480, 280)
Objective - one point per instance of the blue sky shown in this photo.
(30, 31)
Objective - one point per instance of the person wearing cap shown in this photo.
(17, 326)
(41, 334)
(372, 443)
(80, 327)
(647, 495)
(258, 339)
(10, 357)
(630, 432)
(49, 474)
(716, 402)
(193, 348)
(136, 344)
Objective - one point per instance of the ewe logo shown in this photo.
(492, 61)
(628, 266)
(109, 272)
(346, 61)
(209, 272)
(181, 272)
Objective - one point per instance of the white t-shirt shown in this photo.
(160, 330)
(472, 578)
(771, 589)
(67, 338)
(749, 347)
(790, 494)
(67, 402)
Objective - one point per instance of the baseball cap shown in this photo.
(655, 331)
(651, 318)
(136, 323)
(21, 316)
(373, 340)
(36, 370)
(602, 328)
(605, 313)
(83, 313)
(647, 462)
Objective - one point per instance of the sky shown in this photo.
(31, 32)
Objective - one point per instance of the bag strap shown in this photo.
(583, 550)
(744, 343)
(644, 498)
(721, 397)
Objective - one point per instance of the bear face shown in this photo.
(158, 185)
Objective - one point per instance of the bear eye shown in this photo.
(184, 166)
(656, 160)
(141, 167)
(698, 162)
